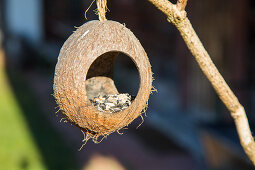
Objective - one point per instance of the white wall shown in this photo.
(24, 17)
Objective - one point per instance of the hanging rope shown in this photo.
(102, 9)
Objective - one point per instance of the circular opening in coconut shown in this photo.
(126, 76)
(112, 82)
(85, 70)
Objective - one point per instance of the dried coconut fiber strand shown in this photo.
(85, 70)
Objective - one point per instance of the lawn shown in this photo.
(17, 147)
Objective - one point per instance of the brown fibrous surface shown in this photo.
(85, 70)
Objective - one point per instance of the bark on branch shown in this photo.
(177, 15)
(181, 4)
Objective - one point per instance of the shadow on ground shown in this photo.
(53, 149)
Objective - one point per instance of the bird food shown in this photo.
(112, 103)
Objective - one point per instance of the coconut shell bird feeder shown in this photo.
(85, 70)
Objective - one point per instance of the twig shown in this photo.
(181, 4)
(177, 15)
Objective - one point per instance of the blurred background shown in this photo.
(186, 128)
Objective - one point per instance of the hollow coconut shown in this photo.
(85, 70)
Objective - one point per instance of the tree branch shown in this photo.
(177, 15)
(181, 4)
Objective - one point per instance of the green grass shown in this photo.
(27, 139)
(17, 146)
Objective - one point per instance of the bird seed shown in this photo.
(112, 103)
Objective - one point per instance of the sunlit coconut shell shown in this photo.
(85, 70)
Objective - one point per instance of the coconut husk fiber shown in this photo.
(85, 70)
